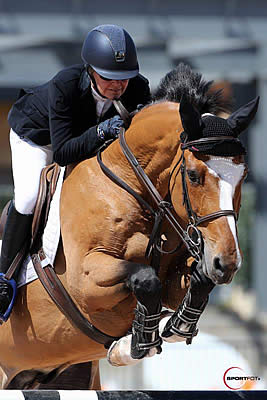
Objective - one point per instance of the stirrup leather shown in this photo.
(12, 283)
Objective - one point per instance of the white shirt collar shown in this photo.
(102, 104)
(96, 95)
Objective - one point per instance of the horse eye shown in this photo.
(193, 176)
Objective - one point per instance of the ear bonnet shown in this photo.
(212, 135)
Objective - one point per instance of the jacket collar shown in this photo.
(85, 83)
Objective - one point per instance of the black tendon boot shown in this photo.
(184, 321)
(15, 238)
(145, 333)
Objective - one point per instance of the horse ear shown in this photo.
(191, 119)
(240, 119)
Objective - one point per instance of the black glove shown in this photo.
(110, 128)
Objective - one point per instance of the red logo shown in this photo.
(235, 378)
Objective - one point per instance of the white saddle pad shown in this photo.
(51, 237)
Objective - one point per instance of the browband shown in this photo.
(213, 139)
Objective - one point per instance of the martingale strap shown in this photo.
(49, 278)
(64, 302)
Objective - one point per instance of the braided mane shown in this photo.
(182, 81)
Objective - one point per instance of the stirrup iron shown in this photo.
(12, 284)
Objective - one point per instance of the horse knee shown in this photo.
(145, 285)
(148, 286)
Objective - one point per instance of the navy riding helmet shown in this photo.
(111, 52)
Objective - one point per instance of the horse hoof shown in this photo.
(119, 353)
(155, 350)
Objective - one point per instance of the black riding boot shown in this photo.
(16, 235)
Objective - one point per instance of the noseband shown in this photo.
(191, 236)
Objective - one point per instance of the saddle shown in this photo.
(47, 188)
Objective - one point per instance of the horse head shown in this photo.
(212, 171)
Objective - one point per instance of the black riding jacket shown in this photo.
(63, 112)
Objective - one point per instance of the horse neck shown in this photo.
(153, 138)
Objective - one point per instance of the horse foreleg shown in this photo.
(109, 292)
(182, 324)
(146, 287)
(144, 340)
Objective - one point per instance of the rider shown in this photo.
(65, 121)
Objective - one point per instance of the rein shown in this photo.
(191, 236)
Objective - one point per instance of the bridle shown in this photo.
(191, 214)
(193, 218)
(191, 236)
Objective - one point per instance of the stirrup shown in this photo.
(12, 283)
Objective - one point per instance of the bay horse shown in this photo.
(195, 163)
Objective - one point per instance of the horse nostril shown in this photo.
(225, 268)
(217, 264)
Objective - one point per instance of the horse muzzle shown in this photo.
(222, 269)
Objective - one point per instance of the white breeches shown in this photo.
(28, 160)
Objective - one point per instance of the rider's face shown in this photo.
(111, 89)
